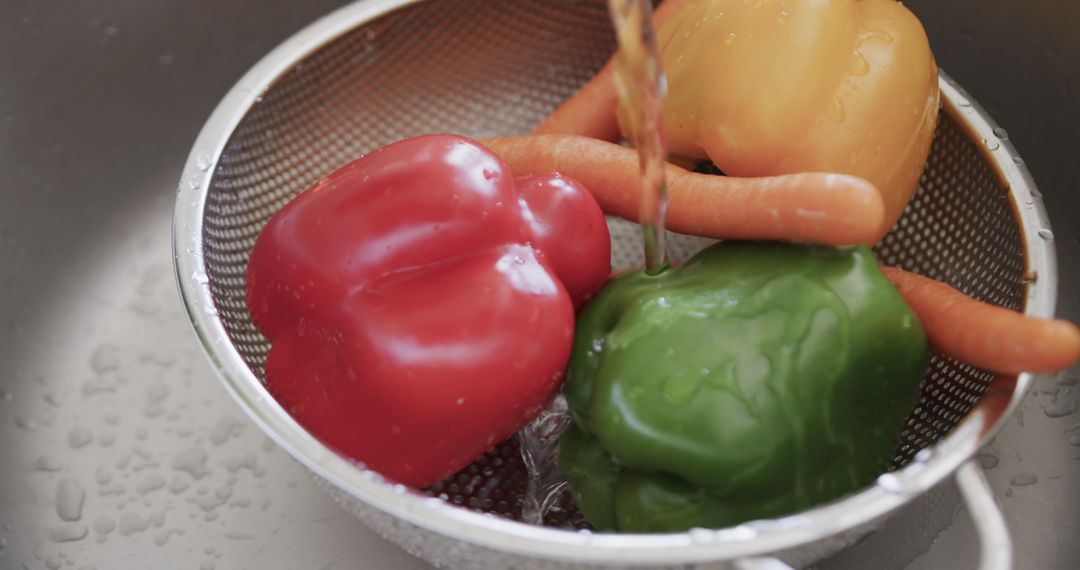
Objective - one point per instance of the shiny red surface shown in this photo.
(420, 302)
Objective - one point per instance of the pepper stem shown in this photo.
(641, 85)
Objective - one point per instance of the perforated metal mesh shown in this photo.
(496, 67)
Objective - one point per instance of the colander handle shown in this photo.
(995, 544)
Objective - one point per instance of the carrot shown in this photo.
(591, 111)
(824, 208)
(986, 336)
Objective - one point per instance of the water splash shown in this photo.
(540, 453)
(641, 85)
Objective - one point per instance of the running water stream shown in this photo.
(640, 82)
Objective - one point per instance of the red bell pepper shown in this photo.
(420, 302)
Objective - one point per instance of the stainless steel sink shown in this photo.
(103, 388)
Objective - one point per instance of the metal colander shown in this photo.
(382, 70)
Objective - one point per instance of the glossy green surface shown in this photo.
(757, 380)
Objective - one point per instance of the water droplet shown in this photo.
(1029, 277)
(191, 461)
(225, 428)
(69, 532)
(371, 476)
(204, 162)
(490, 173)
(702, 535)
(1001, 133)
(179, 484)
(25, 423)
(132, 523)
(835, 112)
(1018, 160)
(987, 461)
(858, 66)
(162, 538)
(991, 145)
(892, 483)
(151, 483)
(729, 39)
(69, 499)
(104, 359)
(104, 525)
(782, 17)
(103, 475)
(1060, 409)
(963, 102)
(79, 436)
(47, 463)
(200, 277)
(1046, 234)
(1025, 479)
(876, 36)
(52, 398)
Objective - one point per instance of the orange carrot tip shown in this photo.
(987, 336)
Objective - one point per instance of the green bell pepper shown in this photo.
(757, 380)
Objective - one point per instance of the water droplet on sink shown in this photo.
(69, 532)
(1060, 409)
(1001, 133)
(1046, 234)
(47, 463)
(104, 359)
(192, 461)
(80, 436)
(1025, 479)
(991, 145)
(69, 499)
(987, 461)
(204, 162)
(131, 523)
(151, 483)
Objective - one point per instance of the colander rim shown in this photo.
(751, 539)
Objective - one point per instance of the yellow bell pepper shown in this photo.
(767, 87)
